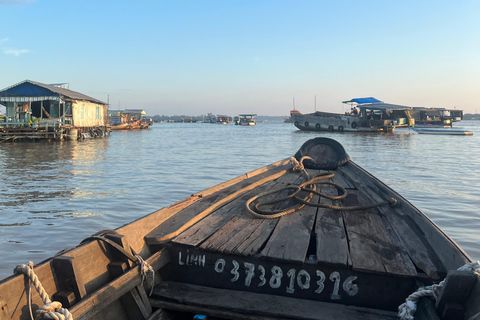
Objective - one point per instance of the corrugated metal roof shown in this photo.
(24, 89)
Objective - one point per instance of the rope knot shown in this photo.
(393, 202)
(146, 271)
(49, 307)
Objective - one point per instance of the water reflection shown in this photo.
(53, 195)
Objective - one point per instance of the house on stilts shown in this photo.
(36, 110)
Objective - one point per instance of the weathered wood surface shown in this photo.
(443, 249)
(111, 292)
(232, 229)
(186, 218)
(429, 247)
(331, 237)
(371, 247)
(246, 305)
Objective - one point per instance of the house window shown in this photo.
(98, 112)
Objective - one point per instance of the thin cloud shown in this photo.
(16, 52)
(16, 2)
(3, 40)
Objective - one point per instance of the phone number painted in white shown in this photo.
(302, 279)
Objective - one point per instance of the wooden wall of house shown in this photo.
(86, 114)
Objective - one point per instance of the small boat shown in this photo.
(311, 237)
(442, 131)
(432, 126)
(246, 119)
(222, 119)
(367, 115)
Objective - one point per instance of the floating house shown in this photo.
(36, 110)
(436, 116)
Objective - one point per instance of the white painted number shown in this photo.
(262, 276)
(335, 277)
(320, 282)
(349, 287)
(276, 279)
(305, 283)
(291, 284)
(219, 265)
(250, 272)
(301, 279)
(234, 271)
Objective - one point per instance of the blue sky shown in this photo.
(230, 57)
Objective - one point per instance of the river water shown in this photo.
(54, 194)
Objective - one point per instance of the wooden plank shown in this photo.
(68, 277)
(134, 306)
(409, 235)
(341, 180)
(162, 314)
(245, 305)
(456, 291)
(4, 313)
(202, 230)
(236, 233)
(331, 238)
(365, 253)
(191, 215)
(290, 239)
(444, 249)
(136, 231)
(371, 246)
(111, 292)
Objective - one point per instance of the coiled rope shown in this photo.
(310, 187)
(51, 310)
(407, 309)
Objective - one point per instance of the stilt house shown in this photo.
(35, 109)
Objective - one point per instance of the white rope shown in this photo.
(407, 309)
(51, 310)
(146, 272)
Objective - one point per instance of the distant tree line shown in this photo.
(185, 118)
(470, 116)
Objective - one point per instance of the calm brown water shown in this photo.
(53, 195)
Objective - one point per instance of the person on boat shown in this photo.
(355, 111)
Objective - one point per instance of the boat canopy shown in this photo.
(364, 100)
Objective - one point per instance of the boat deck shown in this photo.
(315, 253)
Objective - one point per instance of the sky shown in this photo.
(181, 57)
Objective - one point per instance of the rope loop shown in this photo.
(407, 309)
(51, 310)
(310, 187)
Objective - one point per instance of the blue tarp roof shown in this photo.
(364, 100)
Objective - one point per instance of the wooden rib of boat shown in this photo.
(213, 256)
(442, 131)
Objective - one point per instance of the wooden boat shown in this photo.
(368, 115)
(442, 131)
(345, 246)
